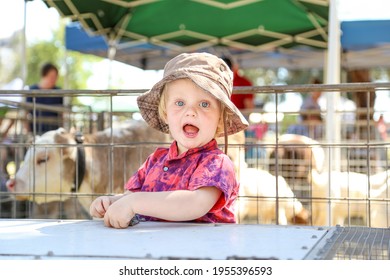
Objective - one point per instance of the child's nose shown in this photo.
(191, 111)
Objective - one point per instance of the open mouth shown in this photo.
(190, 130)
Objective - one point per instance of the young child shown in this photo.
(192, 180)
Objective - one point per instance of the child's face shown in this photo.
(192, 114)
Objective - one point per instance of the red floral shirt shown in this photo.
(205, 166)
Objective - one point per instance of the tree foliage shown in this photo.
(75, 68)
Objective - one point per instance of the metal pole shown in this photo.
(333, 130)
(24, 43)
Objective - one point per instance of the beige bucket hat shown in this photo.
(208, 72)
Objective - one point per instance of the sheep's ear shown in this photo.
(62, 137)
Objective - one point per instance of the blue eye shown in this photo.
(179, 103)
(204, 104)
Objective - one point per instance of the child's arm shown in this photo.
(179, 205)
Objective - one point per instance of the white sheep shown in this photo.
(349, 197)
(56, 169)
(258, 199)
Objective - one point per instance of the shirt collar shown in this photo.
(172, 152)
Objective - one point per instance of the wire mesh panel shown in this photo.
(357, 243)
(339, 180)
(57, 173)
(288, 173)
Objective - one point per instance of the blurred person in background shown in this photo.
(310, 119)
(45, 119)
(242, 101)
(245, 102)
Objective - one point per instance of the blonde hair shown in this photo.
(162, 105)
(162, 110)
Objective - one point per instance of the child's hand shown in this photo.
(100, 206)
(119, 213)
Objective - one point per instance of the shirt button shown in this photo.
(165, 168)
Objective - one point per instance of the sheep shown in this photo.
(258, 199)
(51, 171)
(349, 197)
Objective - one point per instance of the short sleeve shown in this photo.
(216, 171)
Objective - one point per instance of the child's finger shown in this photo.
(105, 203)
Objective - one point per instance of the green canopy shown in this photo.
(168, 27)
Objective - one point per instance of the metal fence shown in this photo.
(353, 243)
(291, 172)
